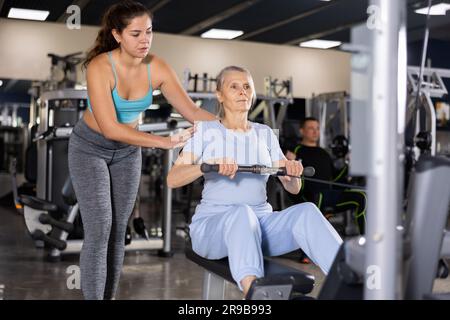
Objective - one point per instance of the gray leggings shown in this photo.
(105, 176)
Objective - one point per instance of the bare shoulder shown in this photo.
(158, 64)
(154, 60)
(99, 70)
(99, 64)
(261, 127)
(161, 70)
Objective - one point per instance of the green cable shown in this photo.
(297, 148)
(320, 200)
(340, 174)
(358, 214)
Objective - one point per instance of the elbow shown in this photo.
(112, 133)
(198, 114)
(297, 190)
(171, 183)
(293, 190)
(192, 116)
(109, 135)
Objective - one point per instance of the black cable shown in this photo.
(308, 172)
(338, 184)
(422, 65)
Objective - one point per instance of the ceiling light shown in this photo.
(1, 83)
(154, 107)
(439, 9)
(222, 34)
(320, 44)
(28, 14)
(156, 92)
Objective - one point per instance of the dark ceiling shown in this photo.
(269, 21)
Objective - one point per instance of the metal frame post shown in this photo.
(382, 276)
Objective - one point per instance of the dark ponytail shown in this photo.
(118, 16)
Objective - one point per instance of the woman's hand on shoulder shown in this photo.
(179, 139)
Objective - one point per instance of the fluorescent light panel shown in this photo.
(28, 14)
(320, 44)
(222, 34)
(439, 9)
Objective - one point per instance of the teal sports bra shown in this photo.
(128, 110)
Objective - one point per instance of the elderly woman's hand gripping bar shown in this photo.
(258, 169)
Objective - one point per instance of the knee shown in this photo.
(97, 232)
(307, 211)
(308, 208)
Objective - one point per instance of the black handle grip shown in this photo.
(45, 134)
(46, 219)
(40, 235)
(205, 167)
(307, 171)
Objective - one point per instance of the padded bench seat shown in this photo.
(218, 271)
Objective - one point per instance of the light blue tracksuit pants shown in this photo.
(246, 233)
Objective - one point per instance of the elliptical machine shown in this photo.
(51, 215)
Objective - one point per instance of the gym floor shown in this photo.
(24, 273)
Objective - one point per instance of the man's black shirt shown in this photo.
(318, 158)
